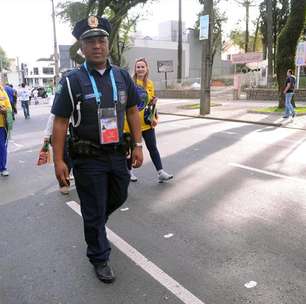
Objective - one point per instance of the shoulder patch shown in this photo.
(58, 88)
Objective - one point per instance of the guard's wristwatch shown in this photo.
(138, 144)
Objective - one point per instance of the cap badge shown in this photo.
(93, 21)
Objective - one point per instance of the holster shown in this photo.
(85, 148)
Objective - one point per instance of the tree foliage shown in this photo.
(287, 42)
(280, 13)
(238, 38)
(117, 13)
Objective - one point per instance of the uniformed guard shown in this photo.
(96, 98)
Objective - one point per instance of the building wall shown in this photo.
(152, 56)
(168, 31)
(221, 68)
(64, 58)
(156, 50)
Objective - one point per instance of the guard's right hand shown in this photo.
(137, 157)
(62, 173)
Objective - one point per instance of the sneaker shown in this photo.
(293, 114)
(133, 177)
(64, 190)
(286, 116)
(5, 173)
(71, 177)
(164, 176)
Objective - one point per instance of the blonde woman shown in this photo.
(146, 92)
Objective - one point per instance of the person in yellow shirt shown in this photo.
(145, 89)
(5, 106)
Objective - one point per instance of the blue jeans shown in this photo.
(25, 107)
(150, 141)
(289, 110)
(3, 149)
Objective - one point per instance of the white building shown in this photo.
(168, 31)
(41, 73)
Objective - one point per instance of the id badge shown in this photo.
(108, 126)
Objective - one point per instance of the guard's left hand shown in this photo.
(137, 157)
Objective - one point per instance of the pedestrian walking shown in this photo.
(24, 97)
(48, 141)
(148, 117)
(5, 108)
(15, 101)
(11, 94)
(98, 95)
(35, 96)
(289, 93)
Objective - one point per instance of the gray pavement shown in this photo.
(235, 209)
(225, 108)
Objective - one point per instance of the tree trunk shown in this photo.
(270, 41)
(256, 34)
(287, 42)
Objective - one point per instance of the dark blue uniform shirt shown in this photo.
(82, 87)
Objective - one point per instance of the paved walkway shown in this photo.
(239, 110)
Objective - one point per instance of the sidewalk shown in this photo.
(228, 110)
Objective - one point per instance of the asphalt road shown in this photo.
(233, 217)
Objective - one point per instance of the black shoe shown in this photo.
(104, 272)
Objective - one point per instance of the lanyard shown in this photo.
(95, 89)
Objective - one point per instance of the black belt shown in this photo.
(91, 149)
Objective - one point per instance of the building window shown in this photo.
(48, 71)
(35, 70)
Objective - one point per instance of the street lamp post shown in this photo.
(180, 45)
(56, 78)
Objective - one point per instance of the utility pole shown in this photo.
(269, 41)
(56, 78)
(180, 45)
(247, 16)
(247, 4)
(206, 61)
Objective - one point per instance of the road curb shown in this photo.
(278, 125)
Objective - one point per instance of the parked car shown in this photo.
(41, 92)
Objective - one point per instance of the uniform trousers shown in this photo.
(102, 186)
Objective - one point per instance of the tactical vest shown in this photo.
(88, 128)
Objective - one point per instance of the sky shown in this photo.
(27, 33)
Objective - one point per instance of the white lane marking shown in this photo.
(250, 284)
(158, 274)
(168, 236)
(21, 161)
(18, 145)
(229, 132)
(267, 172)
(124, 209)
